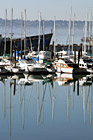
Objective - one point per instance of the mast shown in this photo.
(73, 32)
(21, 32)
(11, 34)
(92, 27)
(89, 27)
(43, 35)
(5, 31)
(54, 34)
(39, 35)
(31, 49)
(70, 29)
(25, 33)
(90, 24)
(92, 36)
(85, 34)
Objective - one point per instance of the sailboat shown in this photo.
(42, 43)
(31, 66)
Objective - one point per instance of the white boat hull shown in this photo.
(36, 69)
(65, 70)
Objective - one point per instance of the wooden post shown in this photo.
(78, 56)
(74, 86)
(81, 50)
(53, 50)
(18, 53)
(14, 86)
(78, 87)
(74, 55)
(15, 56)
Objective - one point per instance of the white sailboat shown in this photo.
(36, 67)
(32, 67)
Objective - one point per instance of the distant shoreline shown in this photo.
(34, 23)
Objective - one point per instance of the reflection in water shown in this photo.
(24, 86)
(68, 116)
(37, 104)
(4, 100)
(84, 105)
(10, 111)
(53, 100)
(20, 96)
(91, 107)
(23, 107)
(87, 95)
(83, 81)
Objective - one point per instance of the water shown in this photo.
(47, 107)
(62, 31)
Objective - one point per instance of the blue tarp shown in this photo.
(36, 59)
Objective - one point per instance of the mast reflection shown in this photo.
(24, 88)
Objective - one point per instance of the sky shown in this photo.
(48, 8)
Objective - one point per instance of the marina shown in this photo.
(35, 50)
(46, 78)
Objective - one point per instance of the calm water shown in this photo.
(61, 33)
(46, 107)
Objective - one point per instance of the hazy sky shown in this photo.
(48, 8)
